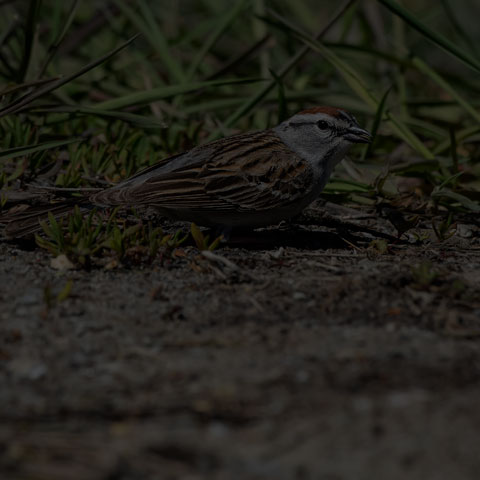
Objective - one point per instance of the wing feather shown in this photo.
(250, 172)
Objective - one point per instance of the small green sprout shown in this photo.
(202, 241)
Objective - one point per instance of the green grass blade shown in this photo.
(282, 103)
(160, 43)
(30, 29)
(459, 30)
(137, 120)
(145, 97)
(154, 35)
(460, 136)
(52, 50)
(20, 86)
(5, 36)
(457, 197)
(404, 132)
(432, 35)
(342, 185)
(7, 32)
(376, 123)
(39, 147)
(427, 128)
(220, 28)
(25, 100)
(425, 69)
(353, 78)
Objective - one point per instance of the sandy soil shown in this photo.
(299, 357)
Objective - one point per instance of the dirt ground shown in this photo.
(305, 355)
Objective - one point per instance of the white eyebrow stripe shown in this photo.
(300, 124)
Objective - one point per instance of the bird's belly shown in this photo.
(259, 218)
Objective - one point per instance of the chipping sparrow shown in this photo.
(247, 180)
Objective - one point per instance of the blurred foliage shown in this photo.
(85, 102)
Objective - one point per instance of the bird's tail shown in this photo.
(26, 222)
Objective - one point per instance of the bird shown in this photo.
(248, 180)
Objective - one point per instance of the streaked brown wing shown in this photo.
(243, 173)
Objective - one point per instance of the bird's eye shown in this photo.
(323, 125)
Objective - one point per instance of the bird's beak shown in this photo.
(357, 135)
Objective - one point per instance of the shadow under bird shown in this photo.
(249, 180)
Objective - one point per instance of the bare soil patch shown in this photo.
(297, 356)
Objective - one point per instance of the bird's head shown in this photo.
(322, 135)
